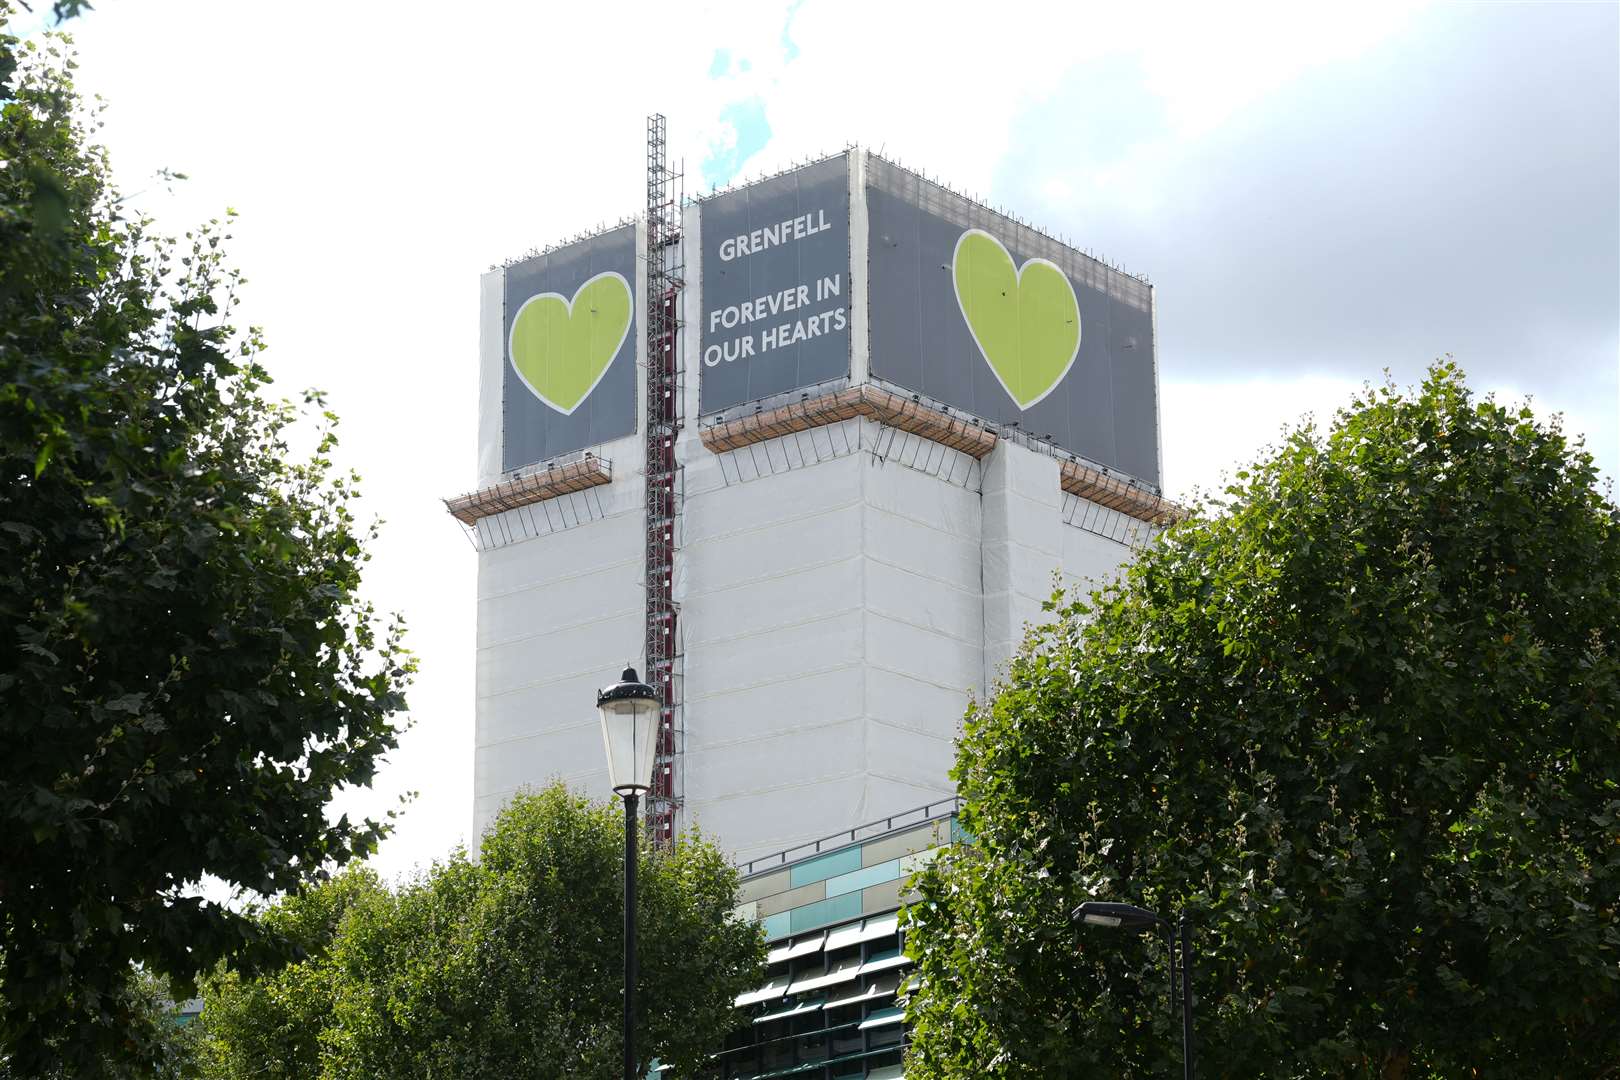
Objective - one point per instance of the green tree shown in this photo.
(269, 1026)
(187, 673)
(507, 966)
(157, 1034)
(1360, 721)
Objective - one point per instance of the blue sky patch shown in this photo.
(720, 66)
(790, 49)
(752, 130)
(28, 24)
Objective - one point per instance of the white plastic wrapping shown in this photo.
(558, 617)
(491, 361)
(1022, 547)
(859, 240)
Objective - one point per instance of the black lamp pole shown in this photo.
(629, 711)
(1131, 917)
(631, 798)
(1184, 932)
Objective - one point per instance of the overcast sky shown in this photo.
(1319, 193)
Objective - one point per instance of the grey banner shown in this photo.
(775, 286)
(1102, 407)
(570, 371)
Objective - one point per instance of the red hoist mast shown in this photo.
(664, 270)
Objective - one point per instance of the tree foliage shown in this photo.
(157, 1035)
(171, 1039)
(187, 673)
(1362, 722)
(507, 966)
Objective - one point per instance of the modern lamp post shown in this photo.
(629, 711)
(1131, 917)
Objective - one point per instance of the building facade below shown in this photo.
(829, 1004)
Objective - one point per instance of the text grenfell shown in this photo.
(798, 228)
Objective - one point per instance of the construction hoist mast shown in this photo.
(664, 272)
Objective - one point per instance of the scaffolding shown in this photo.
(664, 279)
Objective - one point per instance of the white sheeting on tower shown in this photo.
(836, 616)
(491, 373)
(843, 591)
(558, 616)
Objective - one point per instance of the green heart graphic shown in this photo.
(1026, 321)
(561, 348)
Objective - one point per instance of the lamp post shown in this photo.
(1131, 917)
(629, 710)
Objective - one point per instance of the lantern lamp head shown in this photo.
(629, 710)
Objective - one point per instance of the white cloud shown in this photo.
(1211, 60)
(1214, 428)
(939, 86)
(1211, 429)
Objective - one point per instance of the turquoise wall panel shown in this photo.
(822, 912)
(826, 866)
(860, 879)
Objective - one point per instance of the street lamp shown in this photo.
(629, 710)
(1131, 917)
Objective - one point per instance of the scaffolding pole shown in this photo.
(664, 278)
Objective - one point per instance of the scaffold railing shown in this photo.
(905, 819)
